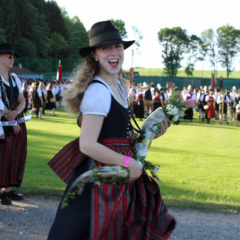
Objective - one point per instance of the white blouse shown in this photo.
(18, 82)
(1, 108)
(97, 98)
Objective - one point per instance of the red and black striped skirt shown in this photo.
(13, 153)
(114, 211)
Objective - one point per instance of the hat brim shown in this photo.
(85, 50)
(8, 51)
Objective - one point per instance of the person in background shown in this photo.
(140, 105)
(148, 103)
(223, 102)
(188, 113)
(12, 165)
(210, 112)
(37, 100)
(51, 99)
(157, 100)
(44, 95)
(238, 112)
(25, 94)
(216, 105)
(133, 210)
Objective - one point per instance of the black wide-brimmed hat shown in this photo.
(103, 34)
(6, 48)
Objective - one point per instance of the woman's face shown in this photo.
(7, 60)
(110, 59)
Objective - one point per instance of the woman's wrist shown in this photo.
(126, 161)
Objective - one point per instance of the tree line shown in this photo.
(221, 46)
(41, 30)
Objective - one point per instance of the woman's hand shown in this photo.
(135, 171)
(10, 115)
(16, 129)
(165, 125)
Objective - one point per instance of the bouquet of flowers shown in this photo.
(173, 111)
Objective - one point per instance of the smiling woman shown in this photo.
(133, 210)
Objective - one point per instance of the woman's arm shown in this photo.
(90, 130)
(11, 115)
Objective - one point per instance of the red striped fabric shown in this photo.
(66, 160)
(130, 211)
(13, 155)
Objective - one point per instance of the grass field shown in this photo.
(199, 162)
(181, 73)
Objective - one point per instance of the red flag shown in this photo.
(213, 81)
(59, 72)
(131, 76)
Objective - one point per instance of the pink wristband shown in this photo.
(127, 161)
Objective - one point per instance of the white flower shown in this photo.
(169, 106)
(175, 118)
(175, 111)
(181, 113)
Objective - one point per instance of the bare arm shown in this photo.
(90, 130)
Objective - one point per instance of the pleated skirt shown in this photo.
(13, 153)
(111, 211)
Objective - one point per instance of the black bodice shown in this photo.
(117, 123)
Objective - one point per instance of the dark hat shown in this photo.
(103, 34)
(6, 48)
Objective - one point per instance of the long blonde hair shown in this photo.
(85, 72)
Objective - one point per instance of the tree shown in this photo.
(78, 36)
(174, 45)
(2, 35)
(193, 53)
(120, 26)
(228, 45)
(209, 46)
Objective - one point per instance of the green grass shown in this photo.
(181, 73)
(199, 161)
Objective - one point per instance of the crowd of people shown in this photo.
(218, 104)
(43, 96)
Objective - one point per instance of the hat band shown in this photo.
(104, 36)
(6, 51)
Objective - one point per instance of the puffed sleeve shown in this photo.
(18, 82)
(96, 100)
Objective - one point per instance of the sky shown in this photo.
(150, 16)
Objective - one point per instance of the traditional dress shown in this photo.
(51, 100)
(109, 211)
(188, 113)
(139, 111)
(157, 102)
(13, 149)
(211, 110)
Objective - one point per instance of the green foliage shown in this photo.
(40, 29)
(228, 38)
(174, 43)
(120, 26)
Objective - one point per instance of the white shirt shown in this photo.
(18, 82)
(97, 98)
(1, 108)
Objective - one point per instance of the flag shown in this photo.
(59, 72)
(213, 81)
(131, 76)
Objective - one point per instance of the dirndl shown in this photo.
(112, 211)
(13, 154)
